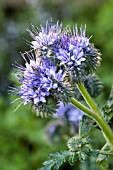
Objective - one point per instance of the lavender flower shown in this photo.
(72, 53)
(77, 54)
(41, 85)
(61, 58)
(45, 36)
(71, 49)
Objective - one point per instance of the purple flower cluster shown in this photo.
(59, 58)
(72, 53)
(40, 80)
(71, 49)
(45, 36)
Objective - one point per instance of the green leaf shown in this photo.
(72, 158)
(102, 159)
(86, 150)
(84, 127)
(102, 163)
(107, 109)
(74, 144)
(56, 160)
(47, 165)
(94, 152)
(82, 157)
(59, 158)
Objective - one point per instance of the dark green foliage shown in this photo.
(107, 109)
(21, 128)
(102, 160)
(84, 127)
(79, 148)
(58, 159)
(81, 144)
(93, 85)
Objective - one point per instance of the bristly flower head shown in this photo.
(41, 85)
(71, 49)
(59, 58)
(45, 37)
(77, 54)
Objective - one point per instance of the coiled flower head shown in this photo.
(41, 85)
(59, 59)
(71, 49)
(77, 54)
(45, 37)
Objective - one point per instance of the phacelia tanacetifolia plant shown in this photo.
(60, 67)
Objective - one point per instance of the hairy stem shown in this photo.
(82, 107)
(107, 132)
(94, 113)
(88, 98)
(106, 153)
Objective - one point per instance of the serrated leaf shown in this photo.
(74, 144)
(107, 109)
(82, 157)
(94, 152)
(86, 150)
(102, 159)
(102, 162)
(72, 158)
(56, 160)
(47, 165)
(84, 128)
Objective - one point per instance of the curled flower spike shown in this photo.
(45, 36)
(71, 49)
(41, 85)
(77, 54)
(61, 58)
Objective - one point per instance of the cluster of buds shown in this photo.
(59, 59)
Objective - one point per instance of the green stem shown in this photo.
(88, 98)
(94, 113)
(82, 107)
(106, 153)
(107, 132)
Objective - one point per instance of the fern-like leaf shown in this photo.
(107, 109)
(102, 159)
(58, 159)
(84, 128)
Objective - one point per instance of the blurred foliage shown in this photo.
(23, 145)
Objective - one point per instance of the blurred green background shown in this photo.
(23, 142)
